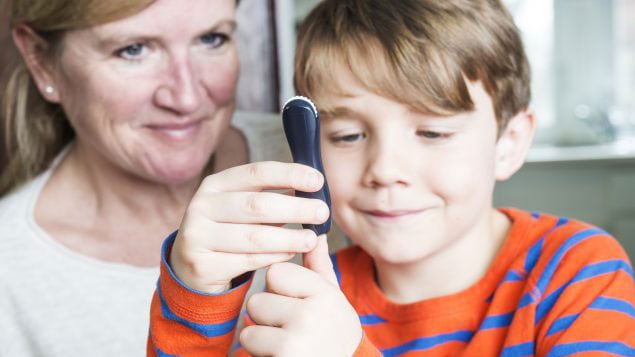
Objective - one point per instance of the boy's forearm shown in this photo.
(185, 322)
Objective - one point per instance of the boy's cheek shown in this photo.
(340, 173)
(339, 188)
(462, 182)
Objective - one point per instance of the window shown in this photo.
(582, 54)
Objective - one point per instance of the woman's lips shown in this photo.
(176, 131)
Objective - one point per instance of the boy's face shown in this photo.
(404, 184)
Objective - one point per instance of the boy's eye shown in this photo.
(214, 39)
(432, 134)
(348, 138)
(133, 51)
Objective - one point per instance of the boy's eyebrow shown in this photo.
(342, 111)
(334, 112)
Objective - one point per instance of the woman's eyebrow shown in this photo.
(226, 25)
(118, 38)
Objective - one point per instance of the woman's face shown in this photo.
(152, 94)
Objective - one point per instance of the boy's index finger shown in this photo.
(259, 176)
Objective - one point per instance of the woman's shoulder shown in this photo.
(20, 196)
(15, 207)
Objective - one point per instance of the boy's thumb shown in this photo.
(319, 260)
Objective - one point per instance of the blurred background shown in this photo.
(582, 53)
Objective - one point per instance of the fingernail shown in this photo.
(314, 179)
(310, 239)
(322, 213)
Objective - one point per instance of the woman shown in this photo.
(116, 113)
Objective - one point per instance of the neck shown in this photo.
(115, 193)
(99, 210)
(454, 269)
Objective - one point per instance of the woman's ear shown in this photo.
(33, 48)
(514, 143)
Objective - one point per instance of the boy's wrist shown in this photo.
(187, 301)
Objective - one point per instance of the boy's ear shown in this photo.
(514, 143)
(33, 48)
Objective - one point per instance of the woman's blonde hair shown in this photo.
(418, 52)
(36, 130)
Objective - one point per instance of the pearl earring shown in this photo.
(49, 89)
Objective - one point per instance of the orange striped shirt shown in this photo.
(558, 287)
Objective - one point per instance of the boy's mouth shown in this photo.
(393, 213)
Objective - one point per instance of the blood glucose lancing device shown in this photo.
(302, 129)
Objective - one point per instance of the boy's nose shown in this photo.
(387, 165)
(181, 91)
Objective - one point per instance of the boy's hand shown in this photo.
(304, 313)
(231, 227)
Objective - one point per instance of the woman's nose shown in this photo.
(181, 90)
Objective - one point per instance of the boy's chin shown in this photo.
(398, 254)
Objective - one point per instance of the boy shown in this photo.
(423, 107)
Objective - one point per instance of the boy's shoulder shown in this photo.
(563, 246)
(559, 235)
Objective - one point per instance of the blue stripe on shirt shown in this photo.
(588, 272)
(371, 319)
(162, 354)
(607, 266)
(568, 349)
(207, 330)
(613, 304)
(520, 350)
(336, 269)
(553, 263)
(425, 343)
(562, 323)
(511, 276)
(496, 321)
(534, 252)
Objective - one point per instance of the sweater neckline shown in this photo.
(34, 189)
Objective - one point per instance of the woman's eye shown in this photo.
(214, 40)
(348, 138)
(133, 51)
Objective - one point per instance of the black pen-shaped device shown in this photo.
(302, 128)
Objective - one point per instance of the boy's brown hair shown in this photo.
(418, 52)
